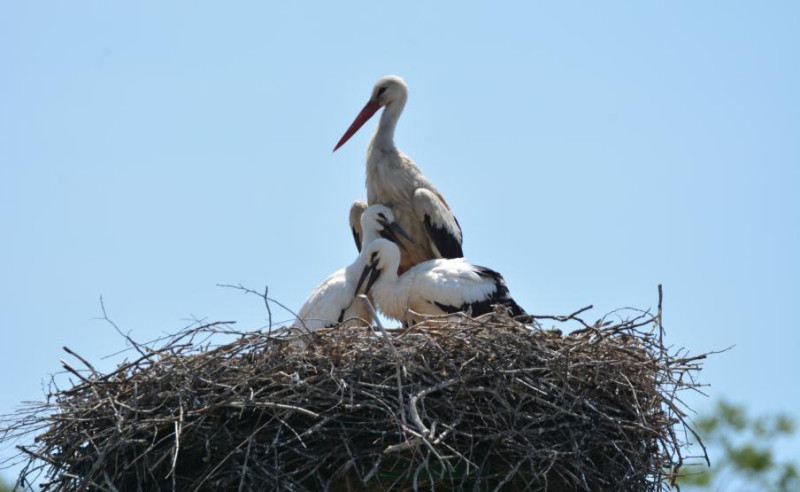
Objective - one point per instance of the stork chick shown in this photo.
(371, 222)
(433, 287)
(333, 301)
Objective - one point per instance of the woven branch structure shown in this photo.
(475, 404)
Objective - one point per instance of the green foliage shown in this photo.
(741, 451)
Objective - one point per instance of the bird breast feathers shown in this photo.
(392, 178)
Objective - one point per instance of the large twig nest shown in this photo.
(479, 404)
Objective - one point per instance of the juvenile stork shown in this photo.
(434, 287)
(369, 222)
(333, 301)
(395, 181)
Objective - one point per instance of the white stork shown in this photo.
(434, 287)
(371, 222)
(395, 181)
(333, 301)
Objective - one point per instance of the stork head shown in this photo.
(378, 220)
(387, 90)
(382, 257)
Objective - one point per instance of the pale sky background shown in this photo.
(149, 152)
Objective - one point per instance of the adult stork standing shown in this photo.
(395, 181)
(333, 301)
(434, 287)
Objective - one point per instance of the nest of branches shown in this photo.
(475, 404)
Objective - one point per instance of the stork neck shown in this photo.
(353, 270)
(390, 294)
(387, 285)
(384, 135)
(369, 236)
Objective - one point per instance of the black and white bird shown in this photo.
(369, 222)
(334, 301)
(395, 181)
(434, 287)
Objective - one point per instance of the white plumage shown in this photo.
(371, 222)
(433, 287)
(395, 181)
(333, 301)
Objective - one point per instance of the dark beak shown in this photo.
(364, 273)
(372, 278)
(373, 274)
(390, 232)
(396, 228)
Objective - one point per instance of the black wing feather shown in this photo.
(357, 238)
(499, 296)
(448, 308)
(447, 244)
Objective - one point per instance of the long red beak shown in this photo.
(371, 108)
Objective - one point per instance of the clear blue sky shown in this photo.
(590, 152)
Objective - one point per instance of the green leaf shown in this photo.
(707, 425)
(751, 460)
(741, 449)
(732, 415)
(784, 425)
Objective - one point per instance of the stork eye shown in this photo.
(381, 90)
(381, 216)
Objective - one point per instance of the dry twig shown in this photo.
(480, 404)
